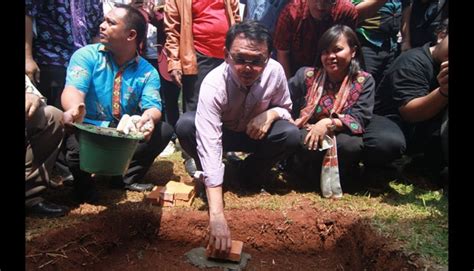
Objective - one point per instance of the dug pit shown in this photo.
(298, 239)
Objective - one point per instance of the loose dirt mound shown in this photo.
(305, 238)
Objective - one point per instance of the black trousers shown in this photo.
(141, 162)
(349, 153)
(169, 93)
(377, 60)
(192, 83)
(52, 81)
(384, 141)
(281, 140)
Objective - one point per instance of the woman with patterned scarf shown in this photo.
(332, 103)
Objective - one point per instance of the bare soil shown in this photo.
(125, 233)
(136, 237)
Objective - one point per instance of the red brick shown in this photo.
(176, 202)
(234, 255)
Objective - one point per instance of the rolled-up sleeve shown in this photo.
(209, 135)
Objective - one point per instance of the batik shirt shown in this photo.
(62, 27)
(93, 71)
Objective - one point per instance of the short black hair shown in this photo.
(252, 30)
(134, 19)
(443, 26)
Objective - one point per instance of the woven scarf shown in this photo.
(330, 181)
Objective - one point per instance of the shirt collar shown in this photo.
(135, 60)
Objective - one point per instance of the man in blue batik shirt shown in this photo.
(107, 80)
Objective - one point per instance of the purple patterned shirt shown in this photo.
(62, 27)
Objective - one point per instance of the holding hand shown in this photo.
(146, 126)
(220, 238)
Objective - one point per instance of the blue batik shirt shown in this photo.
(92, 70)
(62, 27)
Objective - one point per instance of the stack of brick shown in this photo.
(173, 194)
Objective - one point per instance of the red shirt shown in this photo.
(296, 31)
(210, 25)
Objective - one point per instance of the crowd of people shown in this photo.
(329, 84)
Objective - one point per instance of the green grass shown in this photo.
(417, 218)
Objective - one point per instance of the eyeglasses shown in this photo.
(254, 63)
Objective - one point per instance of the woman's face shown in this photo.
(337, 58)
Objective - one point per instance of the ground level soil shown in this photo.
(123, 232)
(137, 237)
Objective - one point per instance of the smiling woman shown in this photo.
(335, 99)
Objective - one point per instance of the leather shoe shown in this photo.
(116, 182)
(46, 209)
(139, 187)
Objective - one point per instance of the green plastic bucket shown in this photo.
(105, 151)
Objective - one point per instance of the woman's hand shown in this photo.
(316, 133)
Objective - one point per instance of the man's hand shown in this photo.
(443, 78)
(258, 127)
(32, 70)
(146, 126)
(316, 133)
(32, 102)
(219, 238)
(75, 115)
(176, 77)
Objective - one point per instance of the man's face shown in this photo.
(113, 31)
(247, 59)
(321, 9)
(443, 49)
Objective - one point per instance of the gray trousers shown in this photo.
(43, 136)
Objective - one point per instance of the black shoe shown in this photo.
(46, 209)
(84, 190)
(139, 187)
(116, 182)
